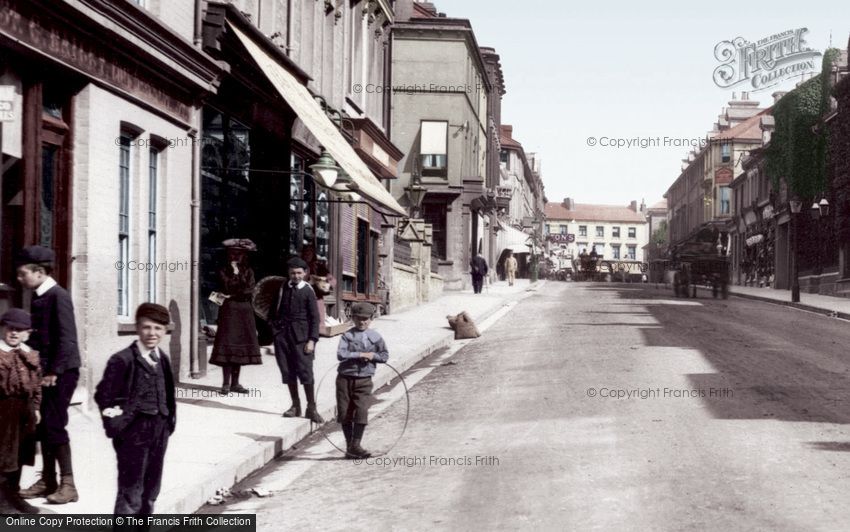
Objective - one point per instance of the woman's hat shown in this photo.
(244, 244)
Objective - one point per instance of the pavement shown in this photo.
(838, 307)
(220, 440)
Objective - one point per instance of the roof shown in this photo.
(749, 129)
(586, 212)
(661, 205)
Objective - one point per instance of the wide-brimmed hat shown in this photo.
(245, 244)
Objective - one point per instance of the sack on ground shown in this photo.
(463, 326)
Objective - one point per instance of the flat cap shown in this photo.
(153, 312)
(17, 318)
(363, 309)
(296, 262)
(35, 255)
(245, 244)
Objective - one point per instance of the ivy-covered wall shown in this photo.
(796, 153)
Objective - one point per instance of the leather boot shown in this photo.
(42, 488)
(11, 486)
(66, 493)
(356, 451)
(312, 414)
(295, 409)
(47, 484)
(346, 431)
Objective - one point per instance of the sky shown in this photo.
(625, 70)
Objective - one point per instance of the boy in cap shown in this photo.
(138, 408)
(295, 321)
(20, 396)
(360, 348)
(55, 338)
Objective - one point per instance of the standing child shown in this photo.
(55, 338)
(137, 401)
(20, 397)
(295, 321)
(360, 348)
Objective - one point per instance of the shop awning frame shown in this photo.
(310, 112)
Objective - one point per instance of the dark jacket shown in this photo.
(298, 314)
(478, 266)
(55, 331)
(125, 383)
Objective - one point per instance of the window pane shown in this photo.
(362, 255)
(323, 224)
(49, 163)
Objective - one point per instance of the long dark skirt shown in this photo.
(236, 337)
(17, 434)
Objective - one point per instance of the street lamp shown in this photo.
(824, 207)
(326, 170)
(796, 206)
(416, 194)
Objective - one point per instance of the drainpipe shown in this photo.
(195, 370)
(199, 20)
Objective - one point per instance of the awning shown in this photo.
(513, 239)
(311, 113)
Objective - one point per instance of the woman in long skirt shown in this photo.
(236, 343)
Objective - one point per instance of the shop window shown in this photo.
(309, 214)
(433, 143)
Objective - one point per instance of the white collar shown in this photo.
(6, 347)
(146, 353)
(48, 283)
(301, 284)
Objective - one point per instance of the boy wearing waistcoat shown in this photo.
(138, 408)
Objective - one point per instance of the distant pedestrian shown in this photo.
(20, 398)
(236, 342)
(360, 349)
(478, 269)
(55, 338)
(510, 268)
(137, 403)
(295, 321)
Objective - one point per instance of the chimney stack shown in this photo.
(643, 206)
(633, 205)
(569, 204)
